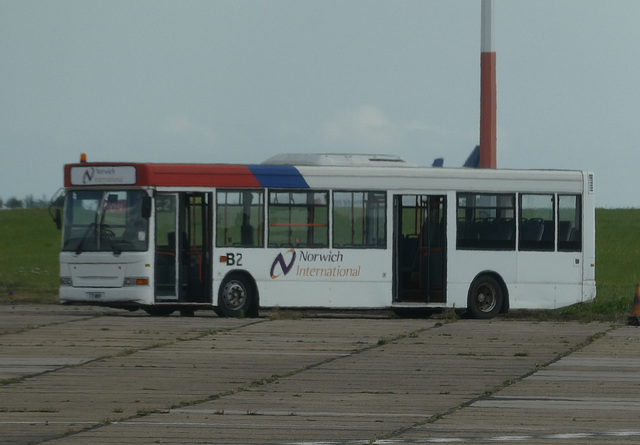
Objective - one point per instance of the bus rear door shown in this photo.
(420, 248)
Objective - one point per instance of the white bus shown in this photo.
(326, 231)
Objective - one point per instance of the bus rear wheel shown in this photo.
(237, 297)
(485, 297)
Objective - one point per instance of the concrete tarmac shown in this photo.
(84, 375)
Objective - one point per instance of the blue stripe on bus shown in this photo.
(282, 176)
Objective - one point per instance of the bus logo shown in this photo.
(284, 267)
(87, 178)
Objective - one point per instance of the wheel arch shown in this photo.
(503, 287)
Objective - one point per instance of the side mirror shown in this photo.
(56, 202)
(57, 218)
(146, 207)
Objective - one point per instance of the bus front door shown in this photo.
(183, 252)
(420, 248)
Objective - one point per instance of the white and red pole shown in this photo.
(488, 105)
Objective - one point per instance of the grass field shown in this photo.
(29, 246)
(617, 262)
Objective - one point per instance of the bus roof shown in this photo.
(338, 159)
(355, 176)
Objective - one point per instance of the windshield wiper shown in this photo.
(101, 233)
(108, 235)
(84, 237)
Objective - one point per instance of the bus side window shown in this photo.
(239, 218)
(537, 222)
(298, 218)
(359, 219)
(486, 221)
(569, 223)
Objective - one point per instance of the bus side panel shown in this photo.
(299, 277)
(548, 280)
(545, 295)
(463, 266)
(534, 280)
(588, 291)
(524, 296)
(367, 295)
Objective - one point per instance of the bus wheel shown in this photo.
(485, 297)
(236, 297)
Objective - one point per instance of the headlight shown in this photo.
(66, 281)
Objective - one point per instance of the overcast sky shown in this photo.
(238, 81)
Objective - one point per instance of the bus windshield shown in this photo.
(105, 221)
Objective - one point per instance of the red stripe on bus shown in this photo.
(180, 175)
(198, 175)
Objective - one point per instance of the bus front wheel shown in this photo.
(237, 297)
(485, 297)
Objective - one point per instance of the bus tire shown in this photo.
(237, 297)
(485, 297)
